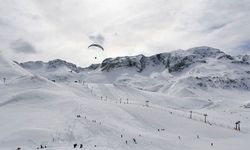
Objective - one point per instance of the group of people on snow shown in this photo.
(75, 145)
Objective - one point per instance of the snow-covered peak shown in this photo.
(33, 64)
(205, 51)
(243, 58)
(174, 61)
(133, 61)
(51, 65)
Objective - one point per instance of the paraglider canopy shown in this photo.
(96, 45)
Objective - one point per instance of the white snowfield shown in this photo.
(108, 111)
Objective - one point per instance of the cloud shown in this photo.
(126, 27)
(3, 23)
(244, 48)
(99, 39)
(22, 46)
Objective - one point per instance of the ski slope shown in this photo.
(35, 111)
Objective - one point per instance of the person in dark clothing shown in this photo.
(75, 145)
(41, 146)
(121, 135)
(126, 142)
(81, 146)
(18, 148)
(134, 140)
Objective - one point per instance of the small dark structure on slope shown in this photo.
(237, 125)
(4, 80)
(205, 119)
(191, 114)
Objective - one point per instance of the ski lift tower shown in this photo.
(147, 103)
(205, 115)
(4, 80)
(190, 114)
(237, 125)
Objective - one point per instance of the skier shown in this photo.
(75, 145)
(134, 140)
(126, 142)
(81, 146)
(121, 135)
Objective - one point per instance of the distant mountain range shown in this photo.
(203, 67)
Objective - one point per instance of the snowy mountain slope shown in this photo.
(55, 69)
(191, 64)
(35, 110)
(26, 102)
(179, 74)
(176, 74)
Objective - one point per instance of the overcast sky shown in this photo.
(49, 29)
